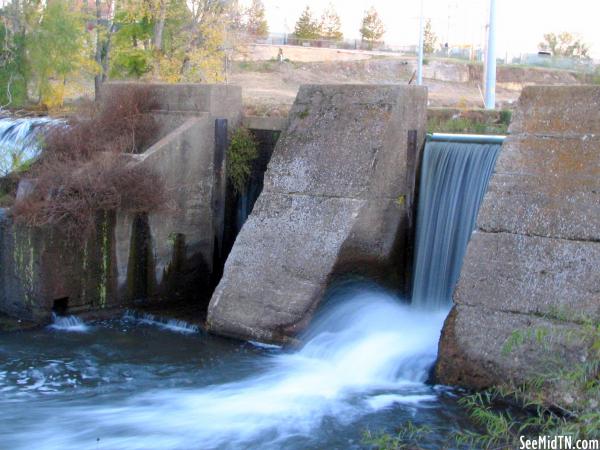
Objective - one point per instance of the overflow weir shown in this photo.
(454, 177)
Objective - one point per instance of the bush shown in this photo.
(242, 151)
(505, 117)
(85, 167)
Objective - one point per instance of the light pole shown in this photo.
(421, 46)
(490, 60)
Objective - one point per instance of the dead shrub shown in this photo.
(87, 167)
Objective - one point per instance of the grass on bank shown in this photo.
(470, 125)
(502, 414)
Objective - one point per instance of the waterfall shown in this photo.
(19, 140)
(68, 323)
(454, 179)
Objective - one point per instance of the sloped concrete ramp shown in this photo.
(338, 191)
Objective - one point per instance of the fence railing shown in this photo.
(344, 44)
(555, 62)
(454, 52)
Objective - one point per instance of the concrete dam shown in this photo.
(477, 239)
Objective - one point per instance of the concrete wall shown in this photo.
(166, 254)
(181, 239)
(533, 262)
(40, 266)
(337, 194)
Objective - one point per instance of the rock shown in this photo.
(531, 269)
(337, 193)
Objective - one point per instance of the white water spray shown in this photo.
(20, 139)
(174, 325)
(364, 354)
(68, 323)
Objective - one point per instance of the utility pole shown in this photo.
(490, 60)
(421, 46)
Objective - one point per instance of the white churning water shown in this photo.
(363, 354)
(68, 323)
(20, 139)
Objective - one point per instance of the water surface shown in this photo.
(131, 384)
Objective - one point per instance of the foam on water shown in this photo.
(174, 325)
(68, 323)
(365, 353)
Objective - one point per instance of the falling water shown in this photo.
(68, 323)
(19, 139)
(454, 179)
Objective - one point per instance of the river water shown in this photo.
(139, 384)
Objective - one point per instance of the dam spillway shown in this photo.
(20, 139)
(455, 173)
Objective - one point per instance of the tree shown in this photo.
(104, 30)
(331, 25)
(256, 23)
(306, 26)
(13, 68)
(430, 38)
(187, 45)
(372, 29)
(565, 44)
(56, 50)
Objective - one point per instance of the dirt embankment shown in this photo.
(270, 87)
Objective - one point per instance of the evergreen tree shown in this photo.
(256, 23)
(331, 25)
(306, 26)
(430, 39)
(372, 29)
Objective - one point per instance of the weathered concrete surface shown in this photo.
(184, 160)
(220, 100)
(532, 265)
(336, 192)
(168, 254)
(265, 123)
(178, 250)
(40, 266)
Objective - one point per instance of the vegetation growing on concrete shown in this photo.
(466, 123)
(87, 167)
(242, 151)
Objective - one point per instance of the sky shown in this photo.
(521, 23)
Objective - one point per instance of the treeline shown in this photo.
(49, 46)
